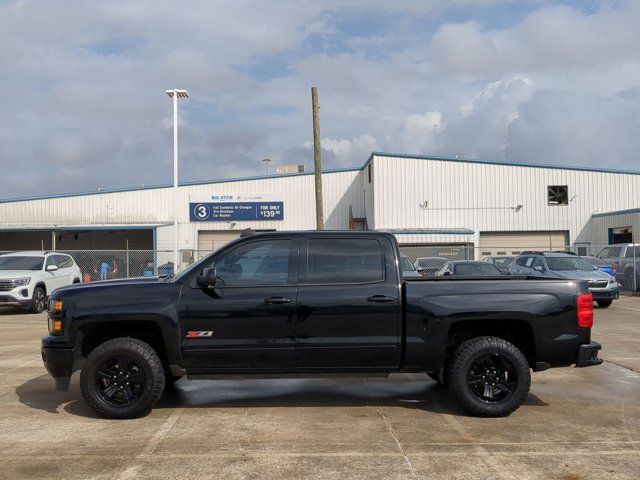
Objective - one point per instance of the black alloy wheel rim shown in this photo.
(492, 378)
(38, 298)
(120, 381)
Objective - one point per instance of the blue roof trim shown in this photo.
(83, 228)
(170, 185)
(503, 163)
(617, 212)
(433, 231)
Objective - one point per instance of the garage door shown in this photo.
(208, 241)
(513, 243)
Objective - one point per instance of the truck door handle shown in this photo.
(277, 300)
(380, 298)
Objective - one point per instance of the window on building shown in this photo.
(370, 171)
(558, 195)
(337, 260)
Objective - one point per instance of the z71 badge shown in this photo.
(200, 334)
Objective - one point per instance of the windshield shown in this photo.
(503, 261)
(609, 252)
(21, 263)
(476, 269)
(406, 264)
(568, 263)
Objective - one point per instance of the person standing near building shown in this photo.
(104, 270)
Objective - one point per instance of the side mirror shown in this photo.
(207, 278)
(538, 269)
(447, 273)
(51, 268)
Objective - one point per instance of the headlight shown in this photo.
(613, 280)
(21, 282)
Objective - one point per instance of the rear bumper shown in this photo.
(588, 355)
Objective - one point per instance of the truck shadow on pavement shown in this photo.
(40, 393)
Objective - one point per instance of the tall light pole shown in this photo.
(175, 94)
(267, 161)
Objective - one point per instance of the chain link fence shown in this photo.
(622, 261)
(114, 264)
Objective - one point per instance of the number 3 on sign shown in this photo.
(201, 211)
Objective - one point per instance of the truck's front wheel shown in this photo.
(490, 376)
(122, 378)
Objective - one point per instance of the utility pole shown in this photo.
(317, 159)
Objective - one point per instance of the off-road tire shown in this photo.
(463, 358)
(604, 303)
(148, 361)
(38, 300)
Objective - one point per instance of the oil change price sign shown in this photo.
(231, 208)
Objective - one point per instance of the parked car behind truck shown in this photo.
(603, 287)
(625, 258)
(469, 268)
(28, 278)
(428, 266)
(407, 267)
(314, 303)
(502, 262)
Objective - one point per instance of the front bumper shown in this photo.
(588, 355)
(59, 364)
(14, 300)
(604, 293)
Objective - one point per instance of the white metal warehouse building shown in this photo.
(492, 206)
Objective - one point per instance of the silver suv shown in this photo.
(625, 259)
(603, 287)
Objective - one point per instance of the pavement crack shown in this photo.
(623, 366)
(414, 474)
(153, 442)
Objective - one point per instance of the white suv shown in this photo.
(28, 278)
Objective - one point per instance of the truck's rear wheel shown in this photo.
(490, 376)
(122, 378)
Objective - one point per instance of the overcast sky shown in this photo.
(83, 83)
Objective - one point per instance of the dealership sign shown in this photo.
(231, 208)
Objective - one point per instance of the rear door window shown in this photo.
(342, 260)
(537, 262)
(63, 261)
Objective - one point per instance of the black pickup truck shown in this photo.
(314, 303)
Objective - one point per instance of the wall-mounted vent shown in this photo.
(558, 195)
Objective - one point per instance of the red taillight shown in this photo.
(584, 307)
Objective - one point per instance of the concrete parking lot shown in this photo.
(576, 423)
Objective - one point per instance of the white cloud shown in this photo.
(87, 105)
